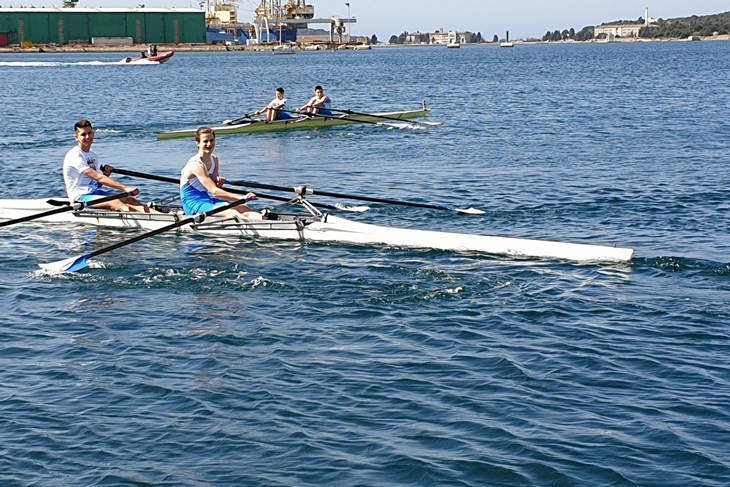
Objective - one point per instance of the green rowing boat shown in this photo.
(302, 122)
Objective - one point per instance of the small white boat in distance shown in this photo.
(283, 49)
(453, 45)
(507, 42)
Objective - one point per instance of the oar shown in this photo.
(360, 120)
(77, 263)
(236, 121)
(337, 117)
(164, 179)
(79, 205)
(375, 115)
(305, 190)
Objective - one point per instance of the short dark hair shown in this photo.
(203, 130)
(83, 123)
(280, 90)
(318, 87)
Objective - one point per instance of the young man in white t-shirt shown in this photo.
(318, 104)
(276, 109)
(81, 173)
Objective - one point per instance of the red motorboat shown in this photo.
(160, 58)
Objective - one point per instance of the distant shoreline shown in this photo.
(266, 48)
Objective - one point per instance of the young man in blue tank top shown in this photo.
(200, 182)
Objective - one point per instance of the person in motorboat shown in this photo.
(84, 176)
(318, 104)
(276, 109)
(200, 182)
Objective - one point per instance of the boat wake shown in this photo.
(687, 264)
(404, 125)
(123, 62)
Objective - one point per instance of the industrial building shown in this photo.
(69, 25)
(273, 21)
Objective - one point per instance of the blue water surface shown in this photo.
(182, 360)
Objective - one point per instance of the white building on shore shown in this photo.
(620, 29)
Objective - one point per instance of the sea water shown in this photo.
(182, 360)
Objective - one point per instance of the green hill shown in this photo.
(705, 25)
(696, 25)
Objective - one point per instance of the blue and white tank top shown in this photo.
(192, 187)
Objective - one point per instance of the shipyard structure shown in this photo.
(274, 21)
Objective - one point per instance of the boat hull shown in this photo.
(329, 229)
(298, 123)
(160, 58)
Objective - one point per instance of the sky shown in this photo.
(523, 18)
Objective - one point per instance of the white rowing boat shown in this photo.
(314, 226)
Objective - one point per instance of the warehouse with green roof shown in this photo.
(63, 26)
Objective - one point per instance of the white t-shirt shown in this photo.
(74, 164)
(323, 102)
(276, 103)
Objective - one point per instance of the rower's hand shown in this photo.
(221, 181)
(107, 169)
(251, 196)
(133, 191)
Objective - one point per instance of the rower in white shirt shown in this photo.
(318, 104)
(276, 109)
(84, 176)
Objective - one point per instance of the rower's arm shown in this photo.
(212, 188)
(107, 181)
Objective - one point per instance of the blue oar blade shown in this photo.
(72, 264)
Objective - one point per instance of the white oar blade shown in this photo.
(400, 125)
(72, 264)
(354, 209)
(471, 211)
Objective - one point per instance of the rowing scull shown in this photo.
(299, 122)
(315, 226)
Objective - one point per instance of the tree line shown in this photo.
(704, 25)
